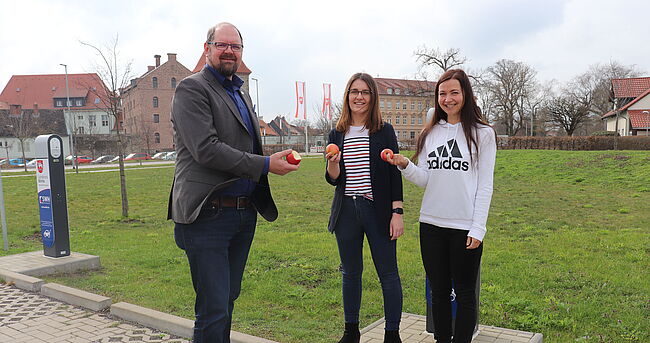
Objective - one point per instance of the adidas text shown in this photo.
(448, 164)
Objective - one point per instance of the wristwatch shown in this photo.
(398, 210)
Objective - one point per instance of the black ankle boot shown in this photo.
(351, 333)
(392, 336)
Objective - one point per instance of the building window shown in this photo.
(81, 130)
(412, 120)
(96, 100)
(80, 117)
(92, 120)
(154, 82)
(404, 122)
(419, 120)
(156, 137)
(412, 105)
(69, 102)
(155, 101)
(173, 82)
(389, 91)
(381, 103)
(397, 91)
(397, 105)
(389, 120)
(104, 119)
(389, 105)
(78, 102)
(404, 105)
(156, 118)
(59, 103)
(412, 134)
(419, 105)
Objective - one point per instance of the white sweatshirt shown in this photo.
(457, 192)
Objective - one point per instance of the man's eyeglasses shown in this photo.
(224, 46)
(356, 92)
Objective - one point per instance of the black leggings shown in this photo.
(445, 258)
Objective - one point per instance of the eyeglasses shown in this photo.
(224, 46)
(356, 92)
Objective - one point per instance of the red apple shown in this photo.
(294, 157)
(386, 154)
(331, 149)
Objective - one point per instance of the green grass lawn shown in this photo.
(566, 253)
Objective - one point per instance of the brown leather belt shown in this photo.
(240, 203)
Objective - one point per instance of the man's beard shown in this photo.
(228, 70)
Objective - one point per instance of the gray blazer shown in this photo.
(213, 148)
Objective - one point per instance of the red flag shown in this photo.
(327, 101)
(301, 103)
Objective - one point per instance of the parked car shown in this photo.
(32, 163)
(137, 156)
(103, 159)
(171, 156)
(17, 162)
(114, 160)
(80, 159)
(159, 155)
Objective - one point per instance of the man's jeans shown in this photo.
(217, 246)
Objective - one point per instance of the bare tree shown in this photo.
(21, 127)
(444, 60)
(510, 84)
(115, 75)
(567, 111)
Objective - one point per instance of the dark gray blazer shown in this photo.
(213, 148)
(386, 180)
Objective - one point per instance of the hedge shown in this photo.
(575, 143)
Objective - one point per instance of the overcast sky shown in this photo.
(327, 41)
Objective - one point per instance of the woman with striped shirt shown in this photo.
(367, 201)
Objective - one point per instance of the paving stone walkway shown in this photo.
(33, 318)
(413, 327)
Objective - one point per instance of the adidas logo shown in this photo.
(445, 157)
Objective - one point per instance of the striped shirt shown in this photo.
(356, 159)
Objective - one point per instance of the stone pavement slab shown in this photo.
(34, 263)
(413, 330)
(29, 317)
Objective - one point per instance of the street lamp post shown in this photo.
(257, 96)
(647, 123)
(74, 124)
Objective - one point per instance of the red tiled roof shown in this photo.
(266, 129)
(641, 96)
(27, 90)
(403, 85)
(4, 105)
(630, 88)
(639, 119)
(243, 69)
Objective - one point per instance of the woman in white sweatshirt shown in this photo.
(455, 164)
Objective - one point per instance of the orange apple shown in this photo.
(294, 157)
(331, 149)
(386, 154)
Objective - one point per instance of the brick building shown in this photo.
(146, 103)
(404, 104)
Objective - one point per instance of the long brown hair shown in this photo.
(373, 123)
(470, 114)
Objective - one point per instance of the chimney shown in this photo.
(157, 57)
(171, 57)
(150, 68)
(36, 108)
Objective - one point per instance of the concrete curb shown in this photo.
(537, 338)
(75, 296)
(155, 319)
(21, 281)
